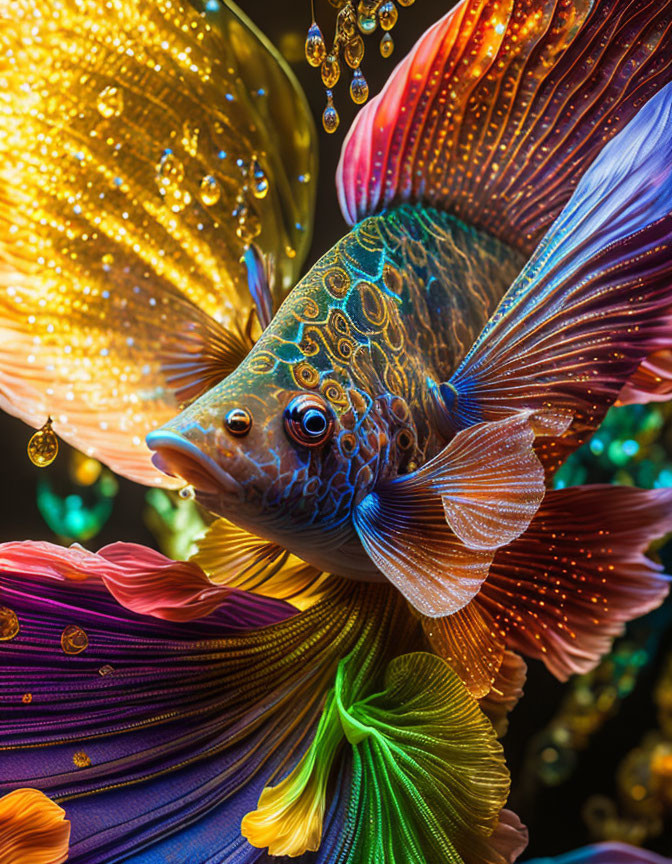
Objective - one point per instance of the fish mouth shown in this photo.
(178, 457)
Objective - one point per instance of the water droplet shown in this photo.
(259, 180)
(387, 15)
(9, 624)
(169, 179)
(354, 51)
(330, 118)
(190, 135)
(74, 640)
(186, 493)
(27, 698)
(331, 70)
(386, 45)
(359, 89)
(110, 102)
(315, 48)
(43, 446)
(81, 759)
(209, 190)
(366, 21)
(105, 670)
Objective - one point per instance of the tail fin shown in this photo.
(594, 299)
(565, 589)
(500, 108)
(156, 737)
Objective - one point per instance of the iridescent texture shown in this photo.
(173, 729)
(120, 270)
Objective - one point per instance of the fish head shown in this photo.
(289, 443)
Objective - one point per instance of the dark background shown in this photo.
(552, 814)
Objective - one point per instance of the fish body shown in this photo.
(368, 333)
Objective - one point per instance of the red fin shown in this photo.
(33, 829)
(593, 301)
(507, 689)
(566, 588)
(431, 532)
(652, 382)
(499, 109)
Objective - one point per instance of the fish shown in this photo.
(377, 438)
(401, 416)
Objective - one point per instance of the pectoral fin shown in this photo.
(433, 532)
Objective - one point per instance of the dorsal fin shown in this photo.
(500, 108)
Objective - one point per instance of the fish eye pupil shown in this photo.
(308, 421)
(238, 421)
(314, 422)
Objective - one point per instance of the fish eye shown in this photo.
(238, 421)
(308, 421)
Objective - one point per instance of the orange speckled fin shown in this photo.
(500, 108)
(127, 141)
(233, 557)
(471, 645)
(33, 829)
(568, 586)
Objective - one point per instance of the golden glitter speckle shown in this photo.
(9, 624)
(110, 102)
(74, 640)
(105, 670)
(27, 698)
(81, 759)
(43, 446)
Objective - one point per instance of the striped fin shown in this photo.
(500, 108)
(126, 141)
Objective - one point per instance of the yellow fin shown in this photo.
(234, 557)
(127, 141)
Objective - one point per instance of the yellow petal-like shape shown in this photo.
(33, 829)
(233, 556)
(130, 132)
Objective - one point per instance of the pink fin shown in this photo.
(142, 580)
(567, 587)
(432, 532)
(500, 108)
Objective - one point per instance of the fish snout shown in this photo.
(178, 456)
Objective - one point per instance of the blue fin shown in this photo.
(594, 299)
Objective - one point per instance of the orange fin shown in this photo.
(500, 108)
(33, 829)
(567, 587)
